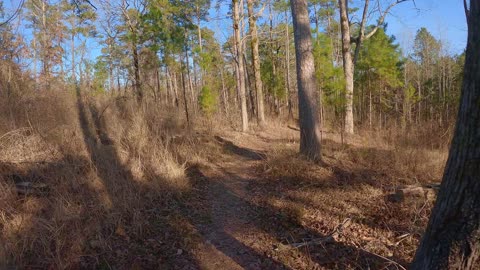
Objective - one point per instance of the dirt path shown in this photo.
(233, 239)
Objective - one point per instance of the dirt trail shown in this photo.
(232, 238)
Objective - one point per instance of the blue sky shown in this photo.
(445, 19)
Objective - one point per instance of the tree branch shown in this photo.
(382, 18)
(358, 41)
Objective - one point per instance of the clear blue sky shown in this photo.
(445, 19)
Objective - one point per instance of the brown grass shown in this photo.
(121, 195)
(109, 172)
(354, 181)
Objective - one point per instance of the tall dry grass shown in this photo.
(112, 179)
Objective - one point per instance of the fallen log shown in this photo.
(425, 191)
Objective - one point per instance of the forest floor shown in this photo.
(249, 198)
(252, 206)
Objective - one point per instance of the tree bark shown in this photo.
(310, 135)
(136, 66)
(239, 64)
(184, 86)
(252, 22)
(347, 66)
(287, 66)
(452, 238)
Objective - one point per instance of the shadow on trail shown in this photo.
(247, 153)
(279, 222)
(269, 219)
(214, 230)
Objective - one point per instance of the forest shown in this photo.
(243, 134)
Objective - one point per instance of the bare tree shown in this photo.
(310, 136)
(452, 238)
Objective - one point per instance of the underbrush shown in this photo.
(113, 177)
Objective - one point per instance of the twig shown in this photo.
(318, 241)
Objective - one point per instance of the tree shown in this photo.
(452, 237)
(426, 53)
(239, 67)
(329, 77)
(310, 136)
(81, 18)
(252, 21)
(349, 60)
(378, 74)
(132, 18)
(45, 20)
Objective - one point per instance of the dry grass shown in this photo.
(354, 181)
(121, 190)
(111, 176)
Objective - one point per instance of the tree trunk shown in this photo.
(136, 66)
(72, 45)
(175, 90)
(310, 135)
(452, 238)
(239, 64)
(224, 93)
(184, 86)
(35, 59)
(252, 22)
(347, 66)
(248, 87)
(287, 66)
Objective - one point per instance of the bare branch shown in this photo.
(360, 38)
(14, 15)
(382, 18)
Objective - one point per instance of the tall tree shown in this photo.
(252, 22)
(81, 18)
(378, 76)
(452, 238)
(349, 60)
(131, 16)
(310, 133)
(240, 69)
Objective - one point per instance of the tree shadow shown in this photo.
(137, 228)
(246, 153)
(46, 212)
(269, 218)
(245, 256)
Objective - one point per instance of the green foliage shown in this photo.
(208, 101)
(330, 78)
(426, 47)
(209, 58)
(272, 58)
(378, 67)
(379, 60)
(100, 75)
